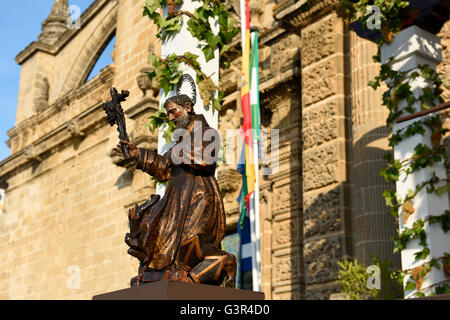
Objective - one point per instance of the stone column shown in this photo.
(413, 47)
(373, 226)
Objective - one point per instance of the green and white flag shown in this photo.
(254, 88)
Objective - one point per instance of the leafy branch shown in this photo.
(167, 71)
(159, 119)
(390, 14)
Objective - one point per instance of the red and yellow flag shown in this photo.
(246, 106)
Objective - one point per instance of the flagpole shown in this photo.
(257, 220)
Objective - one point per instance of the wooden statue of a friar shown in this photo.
(178, 236)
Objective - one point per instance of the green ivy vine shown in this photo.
(167, 71)
(390, 14)
(399, 89)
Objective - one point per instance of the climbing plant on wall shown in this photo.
(167, 71)
(399, 89)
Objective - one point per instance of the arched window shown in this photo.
(104, 58)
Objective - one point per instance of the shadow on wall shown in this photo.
(282, 194)
(325, 242)
(373, 226)
(344, 223)
(125, 179)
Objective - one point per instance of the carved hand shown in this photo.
(133, 150)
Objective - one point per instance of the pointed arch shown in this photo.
(104, 58)
(91, 51)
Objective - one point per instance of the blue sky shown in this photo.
(18, 28)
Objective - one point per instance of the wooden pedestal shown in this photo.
(175, 290)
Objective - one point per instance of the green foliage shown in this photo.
(166, 71)
(392, 172)
(444, 219)
(407, 234)
(391, 281)
(160, 119)
(200, 28)
(390, 196)
(443, 289)
(390, 14)
(354, 278)
(166, 27)
(410, 285)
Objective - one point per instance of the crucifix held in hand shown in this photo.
(114, 115)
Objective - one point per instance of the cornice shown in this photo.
(303, 12)
(105, 76)
(84, 121)
(267, 84)
(266, 36)
(286, 7)
(53, 139)
(147, 103)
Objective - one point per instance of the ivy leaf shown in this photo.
(229, 35)
(151, 6)
(209, 52)
(223, 19)
(374, 84)
(202, 14)
(445, 221)
(224, 49)
(193, 58)
(410, 286)
(388, 157)
(423, 254)
(216, 105)
(443, 189)
(420, 294)
(444, 289)
(151, 74)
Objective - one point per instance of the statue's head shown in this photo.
(179, 108)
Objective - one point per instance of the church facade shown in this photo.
(66, 197)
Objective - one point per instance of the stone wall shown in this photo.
(66, 201)
(326, 202)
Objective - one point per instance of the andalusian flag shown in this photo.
(249, 199)
(245, 102)
(245, 258)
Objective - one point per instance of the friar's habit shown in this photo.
(178, 237)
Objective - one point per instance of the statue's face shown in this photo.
(178, 114)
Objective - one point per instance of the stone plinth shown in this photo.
(175, 290)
